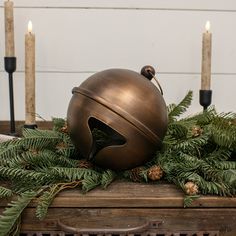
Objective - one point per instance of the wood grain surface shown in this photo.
(134, 195)
(126, 204)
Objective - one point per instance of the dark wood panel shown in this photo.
(5, 126)
(223, 220)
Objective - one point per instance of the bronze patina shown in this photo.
(126, 105)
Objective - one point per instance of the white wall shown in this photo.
(75, 39)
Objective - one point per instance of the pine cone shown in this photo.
(61, 145)
(135, 174)
(191, 188)
(197, 131)
(85, 164)
(155, 173)
(34, 151)
(64, 129)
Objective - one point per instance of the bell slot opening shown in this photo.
(103, 136)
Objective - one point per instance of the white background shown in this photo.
(76, 38)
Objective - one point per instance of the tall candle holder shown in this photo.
(10, 68)
(205, 98)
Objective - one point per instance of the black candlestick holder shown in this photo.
(33, 126)
(205, 98)
(10, 68)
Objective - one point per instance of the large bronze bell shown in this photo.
(123, 104)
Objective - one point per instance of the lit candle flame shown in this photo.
(30, 27)
(208, 25)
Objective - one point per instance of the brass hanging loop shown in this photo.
(149, 72)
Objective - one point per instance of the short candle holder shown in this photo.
(205, 98)
(31, 126)
(10, 68)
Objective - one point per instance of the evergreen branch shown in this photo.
(73, 174)
(229, 177)
(229, 116)
(12, 149)
(107, 178)
(218, 155)
(191, 144)
(23, 175)
(40, 139)
(226, 165)
(210, 173)
(208, 187)
(58, 124)
(13, 212)
(5, 192)
(42, 159)
(15, 230)
(45, 200)
(90, 182)
(223, 133)
(175, 111)
(178, 130)
(203, 118)
(188, 200)
(68, 152)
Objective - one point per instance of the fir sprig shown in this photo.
(47, 197)
(175, 111)
(107, 177)
(13, 212)
(5, 192)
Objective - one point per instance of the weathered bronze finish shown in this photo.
(126, 102)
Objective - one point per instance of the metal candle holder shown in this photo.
(10, 68)
(31, 126)
(205, 98)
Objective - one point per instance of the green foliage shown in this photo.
(90, 182)
(175, 111)
(40, 139)
(188, 200)
(196, 149)
(13, 212)
(5, 192)
(199, 148)
(47, 197)
(58, 123)
(73, 174)
(107, 177)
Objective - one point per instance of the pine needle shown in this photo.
(5, 192)
(107, 178)
(175, 111)
(13, 212)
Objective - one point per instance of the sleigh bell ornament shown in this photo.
(125, 105)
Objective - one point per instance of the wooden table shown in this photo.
(126, 208)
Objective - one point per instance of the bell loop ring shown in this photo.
(149, 72)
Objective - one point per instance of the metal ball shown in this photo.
(125, 106)
(148, 72)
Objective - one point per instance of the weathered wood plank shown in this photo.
(134, 195)
(223, 220)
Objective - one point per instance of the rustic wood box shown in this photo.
(133, 209)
